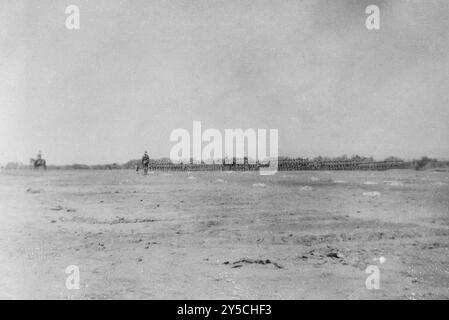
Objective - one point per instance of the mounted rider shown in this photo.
(39, 160)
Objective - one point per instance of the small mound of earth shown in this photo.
(31, 190)
(59, 208)
(259, 184)
(137, 220)
(328, 251)
(239, 263)
(372, 194)
(394, 183)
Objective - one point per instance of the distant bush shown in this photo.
(78, 166)
(131, 164)
(429, 163)
(15, 165)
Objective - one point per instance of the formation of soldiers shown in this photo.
(305, 164)
(283, 165)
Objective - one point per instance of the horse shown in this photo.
(37, 163)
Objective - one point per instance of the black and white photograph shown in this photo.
(226, 150)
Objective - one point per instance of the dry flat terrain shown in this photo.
(295, 235)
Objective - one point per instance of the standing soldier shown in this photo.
(145, 163)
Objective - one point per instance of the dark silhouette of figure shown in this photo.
(145, 163)
(38, 162)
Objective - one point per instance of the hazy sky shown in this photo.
(136, 70)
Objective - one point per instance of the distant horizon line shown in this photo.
(220, 159)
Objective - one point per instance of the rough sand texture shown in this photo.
(294, 235)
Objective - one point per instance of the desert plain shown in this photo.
(224, 235)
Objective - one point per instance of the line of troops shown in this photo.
(283, 165)
(294, 164)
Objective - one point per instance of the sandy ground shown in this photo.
(208, 235)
